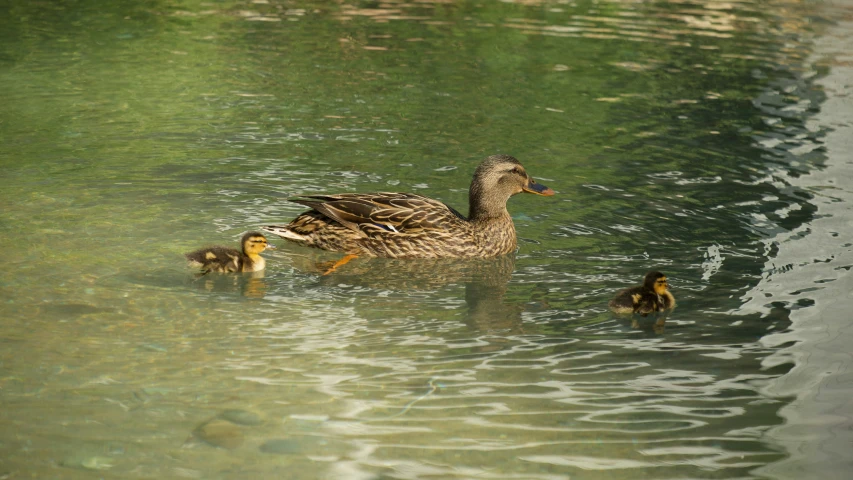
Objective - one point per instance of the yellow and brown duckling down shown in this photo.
(652, 296)
(407, 225)
(228, 260)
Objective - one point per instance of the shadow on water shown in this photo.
(249, 285)
(484, 281)
(651, 324)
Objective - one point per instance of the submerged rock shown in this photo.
(241, 417)
(88, 463)
(305, 445)
(227, 429)
(282, 446)
(220, 433)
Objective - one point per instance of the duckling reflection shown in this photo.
(249, 285)
(485, 281)
(653, 323)
(652, 296)
(230, 260)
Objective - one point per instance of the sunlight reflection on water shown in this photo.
(674, 134)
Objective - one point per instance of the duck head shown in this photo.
(254, 243)
(496, 179)
(656, 282)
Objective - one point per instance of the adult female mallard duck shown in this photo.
(228, 260)
(407, 225)
(652, 296)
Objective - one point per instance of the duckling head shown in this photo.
(656, 282)
(254, 243)
(496, 179)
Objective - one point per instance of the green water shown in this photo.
(673, 134)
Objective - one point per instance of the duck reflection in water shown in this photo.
(488, 311)
(485, 281)
(249, 285)
(651, 298)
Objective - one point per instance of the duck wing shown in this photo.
(383, 212)
(216, 259)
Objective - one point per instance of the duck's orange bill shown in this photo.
(538, 189)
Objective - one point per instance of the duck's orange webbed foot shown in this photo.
(335, 265)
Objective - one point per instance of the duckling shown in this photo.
(227, 260)
(652, 296)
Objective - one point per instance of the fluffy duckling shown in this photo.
(227, 260)
(652, 296)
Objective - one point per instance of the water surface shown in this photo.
(688, 137)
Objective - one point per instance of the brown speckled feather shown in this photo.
(394, 225)
(384, 212)
(219, 259)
